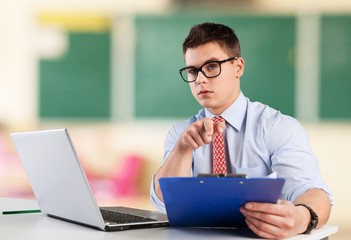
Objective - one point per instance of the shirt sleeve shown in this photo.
(171, 140)
(156, 202)
(174, 134)
(293, 159)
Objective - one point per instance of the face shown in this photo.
(215, 94)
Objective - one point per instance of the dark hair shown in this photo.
(213, 32)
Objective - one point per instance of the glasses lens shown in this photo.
(211, 69)
(189, 74)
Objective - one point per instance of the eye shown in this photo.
(212, 66)
(192, 71)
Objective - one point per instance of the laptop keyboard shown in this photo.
(118, 217)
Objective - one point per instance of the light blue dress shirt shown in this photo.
(259, 141)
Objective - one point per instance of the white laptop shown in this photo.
(61, 187)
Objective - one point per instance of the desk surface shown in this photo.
(36, 226)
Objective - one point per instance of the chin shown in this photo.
(206, 104)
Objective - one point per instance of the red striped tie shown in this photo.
(218, 158)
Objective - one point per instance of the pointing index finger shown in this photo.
(209, 128)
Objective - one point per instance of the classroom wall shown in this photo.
(19, 66)
(293, 71)
(317, 82)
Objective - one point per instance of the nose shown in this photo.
(200, 77)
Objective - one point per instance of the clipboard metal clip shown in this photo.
(222, 175)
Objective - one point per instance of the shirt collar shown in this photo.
(235, 113)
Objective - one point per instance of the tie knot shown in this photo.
(218, 119)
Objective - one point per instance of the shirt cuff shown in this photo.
(156, 202)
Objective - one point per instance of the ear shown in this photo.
(240, 66)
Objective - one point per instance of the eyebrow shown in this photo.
(207, 61)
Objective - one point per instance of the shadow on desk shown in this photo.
(207, 233)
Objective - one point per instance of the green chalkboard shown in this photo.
(77, 85)
(268, 46)
(335, 67)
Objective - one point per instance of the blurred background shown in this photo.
(108, 71)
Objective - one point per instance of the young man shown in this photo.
(258, 140)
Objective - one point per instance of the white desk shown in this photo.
(36, 226)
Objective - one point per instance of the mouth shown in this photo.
(203, 92)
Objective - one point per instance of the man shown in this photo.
(258, 140)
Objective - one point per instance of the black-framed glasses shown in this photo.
(210, 69)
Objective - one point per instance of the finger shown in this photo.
(189, 141)
(208, 125)
(262, 217)
(194, 136)
(278, 215)
(192, 139)
(259, 229)
(266, 218)
(202, 131)
(220, 126)
(199, 138)
(268, 208)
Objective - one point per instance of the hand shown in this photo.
(201, 132)
(179, 161)
(275, 221)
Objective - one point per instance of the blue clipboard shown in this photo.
(215, 202)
